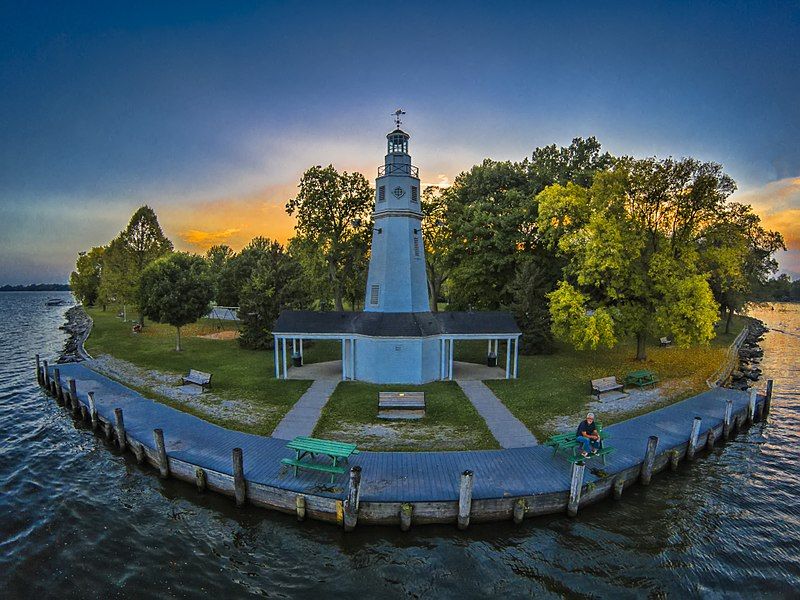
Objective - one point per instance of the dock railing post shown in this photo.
(519, 510)
(57, 392)
(38, 370)
(751, 406)
(618, 486)
(46, 376)
(406, 512)
(649, 460)
(710, 439)
(92, 410)
(575, 486)
(767, 401)
(465, 499)
(726, 422)
(161, 451)
(351, 500)
(693, 438)
(239, 484)
(300, 506)
(120, 427)
(200, 479)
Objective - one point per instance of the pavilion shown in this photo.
(397, 338)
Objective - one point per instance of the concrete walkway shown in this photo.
(505, 427)
(303, 416)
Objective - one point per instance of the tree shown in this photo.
(237, 270)
(116, 284)
(275, 284)
(85, 279)
(530, 288)
(334, 219)
(631, 246)
(437, 237)
(217, 258)
(177, 290)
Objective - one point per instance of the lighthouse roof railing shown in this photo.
(398, 169)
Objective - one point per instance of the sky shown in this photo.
(211, 111)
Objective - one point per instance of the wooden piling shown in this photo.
(200, 479)
(519, 510)
(38, 370)
(465, 499)
(767, 401)
(618, 487)
(84, 413)
(239, 485)
(46, 375)
(674, 459)
(120, 427)
(57, 391)
(92, 410)
(108, 430)
(575, 486)
(73, 398)
(406, 512)
(138, 452)
(710, 440)
(352, 499)
(751, 406)
(300, 506)
(690, 451)
(726, 422)
(649, 460)
(161, 450)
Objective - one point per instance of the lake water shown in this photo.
(79, 519)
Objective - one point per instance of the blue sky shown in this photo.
(210, 112)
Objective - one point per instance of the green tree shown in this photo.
(438, 239)
(631, 245)
(217, 258)
(275, 284)
(85, 279)
(333, 213)
(237, 270)
(177, 290)
(530, 307)
(117, 286)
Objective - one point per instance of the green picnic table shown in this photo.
(567, 444)
(312, 447)
(641, 378)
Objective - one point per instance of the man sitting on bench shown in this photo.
(588, 436)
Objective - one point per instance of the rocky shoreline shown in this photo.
(750, 354)
(78, 326)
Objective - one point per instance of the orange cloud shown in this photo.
(778, 205)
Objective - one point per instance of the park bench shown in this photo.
(641, 378)
(567, 444)
(605, 384)
(401, 405)
(312, 447)
(197, 378)
(665, 342)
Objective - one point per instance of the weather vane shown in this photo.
(397, 114)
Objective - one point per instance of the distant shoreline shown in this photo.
(37, 287)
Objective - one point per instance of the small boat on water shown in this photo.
(55, 302)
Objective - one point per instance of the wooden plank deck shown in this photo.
(395, 476)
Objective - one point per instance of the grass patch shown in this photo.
(451, 422)
(238, 374)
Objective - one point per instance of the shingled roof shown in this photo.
(380, 324)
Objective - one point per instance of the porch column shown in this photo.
(353, 359)
(441, 359)
(285, 366)
(294, 346)
(451, 358)
(516, 358)
(301, 350)
(508, 358)
(344, 361)
(277, 362)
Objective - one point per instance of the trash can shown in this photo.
(491, 359)
(297, 360)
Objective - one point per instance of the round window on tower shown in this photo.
(399, 192)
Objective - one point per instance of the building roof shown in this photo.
(380, 324)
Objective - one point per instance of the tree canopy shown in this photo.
(85, 279)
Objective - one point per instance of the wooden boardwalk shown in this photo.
(389, 478)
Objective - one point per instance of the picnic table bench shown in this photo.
(311, 447)
(641, 378)
(197, 378)
(664, 341)
(605, 384)
(567, 444)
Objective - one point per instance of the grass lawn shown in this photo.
(450, 423)
(558, 384)
(238, 374)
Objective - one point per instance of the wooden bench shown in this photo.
(605, 384)
(197, 378)
(567, 444)
(665, 342)
(641, 378)
(308, 446)
(401, 405)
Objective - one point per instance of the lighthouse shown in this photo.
(397, 281)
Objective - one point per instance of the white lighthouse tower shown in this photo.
(397, 280)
